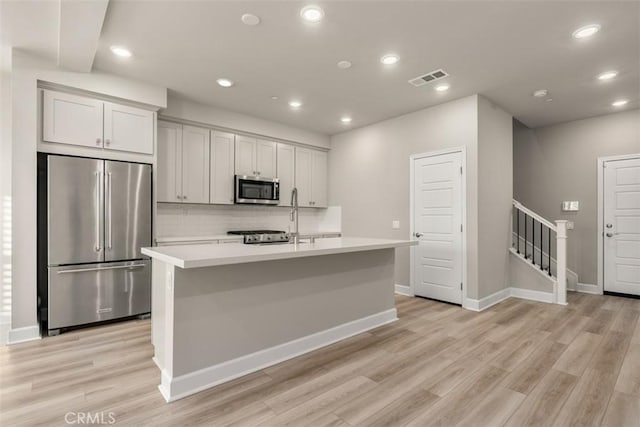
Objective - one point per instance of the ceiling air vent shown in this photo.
(428, 78)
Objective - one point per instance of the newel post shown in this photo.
(561, 261)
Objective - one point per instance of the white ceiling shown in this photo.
(503, 50)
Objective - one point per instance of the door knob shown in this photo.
(611, 234)
(418, 234)
(609, 225)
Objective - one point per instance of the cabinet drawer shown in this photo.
(89, 293)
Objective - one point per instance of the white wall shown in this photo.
(495, 193)
(5, 192)
(559, 162)
(26, 71)
(179, 108)
(369, 174)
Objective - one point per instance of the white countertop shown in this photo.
(230, 237)
(195, 256)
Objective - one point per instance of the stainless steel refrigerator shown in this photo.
(94, 217)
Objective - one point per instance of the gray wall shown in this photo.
(369, 172)
(495, 190)
(369, 178)
(559, 163)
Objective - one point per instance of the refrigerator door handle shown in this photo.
(98, 198)
(118, 267)
(109, 230)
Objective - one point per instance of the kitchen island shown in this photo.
(223, 311)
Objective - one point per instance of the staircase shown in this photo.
(542, 244)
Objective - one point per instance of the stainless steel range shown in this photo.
(261, 236)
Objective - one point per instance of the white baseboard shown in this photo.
(188, 384)
(28, 333)
(529, 294)
(5, 327)
(588, 288)
(404, 290)
(488, 301)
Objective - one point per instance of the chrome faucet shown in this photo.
(293, 216)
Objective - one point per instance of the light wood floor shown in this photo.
(519, 363)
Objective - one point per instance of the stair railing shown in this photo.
(531, 228)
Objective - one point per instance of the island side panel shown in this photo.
(226, 312)
(161, 313)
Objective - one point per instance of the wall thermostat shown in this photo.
(571, 206)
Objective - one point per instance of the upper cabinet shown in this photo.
(128, 128)
(311, 177)
(195, 164)
(83, 121)
(183, 163)
(285, 171)
(72, 119)
(169, 165)
(255, 157)
(222, 167)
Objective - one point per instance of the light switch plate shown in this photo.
(395, 224)
(571, 206)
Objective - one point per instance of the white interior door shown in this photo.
(437, 225)
(622, 226)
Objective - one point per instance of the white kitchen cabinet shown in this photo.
(319, 179)
(311, 177)
(285, 154)
(183, 163)
(195, 164)
(255, 157)
(72, 119)
(79, 120)
(128, 128)
(266, 158)
(222, 168)
(245, 161)
(169, 165)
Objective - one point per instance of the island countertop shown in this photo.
(196, 256)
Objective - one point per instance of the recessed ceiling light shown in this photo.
(442, 88)
(620, 103)
(250, 19)
(275, 98)
(121, 51)
(312, 13)
(586, 31)
(540, 93)
(345, 120)
(549, 99)
(225, 82)
(607, 75)
(343, 65)
(389, 59)
(295, 104)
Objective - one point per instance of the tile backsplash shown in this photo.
(177, 220)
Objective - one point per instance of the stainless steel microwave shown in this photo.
(257, 190)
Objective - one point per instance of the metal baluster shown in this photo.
(541, 251)
(549, 251)
(518, 229)
(533, 241)
(525, 235)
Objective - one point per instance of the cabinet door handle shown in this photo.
(184, 197)
(98, 140)
(178, 197)
(107, 141)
